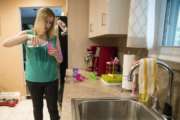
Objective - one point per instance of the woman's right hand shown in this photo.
(35, 41)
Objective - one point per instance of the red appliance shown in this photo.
(102, 55)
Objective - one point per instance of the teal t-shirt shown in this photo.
(40, 66)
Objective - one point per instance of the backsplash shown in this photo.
(139, 52)
(163, 79)
(176, 96)
(121, 43)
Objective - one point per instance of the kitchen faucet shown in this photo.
(167, 113)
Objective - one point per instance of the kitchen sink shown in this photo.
(111, 109)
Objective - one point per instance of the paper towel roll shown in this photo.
(128, 60)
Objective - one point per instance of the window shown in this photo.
(177, 35)
(171, 33)
(168, 30)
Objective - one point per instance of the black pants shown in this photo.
(62, 80)
(37, 91)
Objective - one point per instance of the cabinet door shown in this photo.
(103, 17)
(92, 14)
(118, 15)
(137, 24)
(113, 17)
(108, 17)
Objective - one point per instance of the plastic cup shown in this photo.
(50, 46)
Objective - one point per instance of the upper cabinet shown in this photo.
(142, 24)
(137, 24)
(108, 17)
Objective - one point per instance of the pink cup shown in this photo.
(50, 46)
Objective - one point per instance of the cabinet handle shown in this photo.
(90, 27)
(103, 19)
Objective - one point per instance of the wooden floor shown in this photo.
(22, 111)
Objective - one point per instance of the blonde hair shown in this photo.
(40, 22)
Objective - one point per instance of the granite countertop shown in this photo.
(86, 89)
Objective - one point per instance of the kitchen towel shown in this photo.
(147, 81)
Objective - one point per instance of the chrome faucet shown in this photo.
(170, 87)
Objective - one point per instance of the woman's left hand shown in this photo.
(53, 52)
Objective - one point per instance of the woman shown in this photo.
(42, 55)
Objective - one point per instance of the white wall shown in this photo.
(78, 12)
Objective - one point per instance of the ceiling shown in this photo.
(31, 11)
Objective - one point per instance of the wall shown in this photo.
(77, 32)
(11, 61)
(163, 80)
(176, 95)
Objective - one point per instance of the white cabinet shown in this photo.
(137, 24)
(108, 17)
(92, 12)
(142, 23)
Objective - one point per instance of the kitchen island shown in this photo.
(87, 89)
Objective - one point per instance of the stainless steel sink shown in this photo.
(111, 109)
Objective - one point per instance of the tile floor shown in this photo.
(22, 111)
